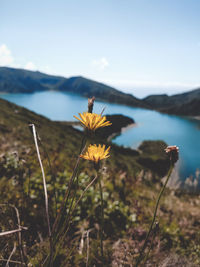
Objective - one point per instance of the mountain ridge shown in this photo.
(25, 81)
(187, 103)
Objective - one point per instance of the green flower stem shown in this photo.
(65, 220)
(154, 216)
(72, 212)
(102, 218)
(150, 247)
(58, 226)
(61, 214)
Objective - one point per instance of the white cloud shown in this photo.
(101, 63)
(30, 66)
(6, 58)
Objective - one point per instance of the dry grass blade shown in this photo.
(11, 254)
(13, 231)
(19, 236)
(19, 233)
(44, 186)
(11, 261)
(88, 246)
(103, 110)
(43, 176)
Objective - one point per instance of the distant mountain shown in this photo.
(187, 104)
(24, 81)
(88, 88)
(158, 101)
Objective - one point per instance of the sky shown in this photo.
(138, 46)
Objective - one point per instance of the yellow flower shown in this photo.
(93, 121)
(96, 153)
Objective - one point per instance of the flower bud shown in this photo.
(173, 152)
(90, 104)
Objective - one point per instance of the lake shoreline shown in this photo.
(123, 129)
(182, 131)
(74, 124)
(195, 117)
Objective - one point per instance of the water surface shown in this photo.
(150, 125)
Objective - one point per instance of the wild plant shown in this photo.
(94, 153)
(173, 152)
(60, 227)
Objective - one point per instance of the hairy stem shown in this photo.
(67, 193)
(59, 225)
(61, 239)
(154, 216)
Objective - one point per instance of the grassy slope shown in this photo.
(187, 104)
(130, 184)
(59, 139)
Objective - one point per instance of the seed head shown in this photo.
(173, 152)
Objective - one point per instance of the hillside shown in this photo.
(187, 104)
(59, 138)
(24, 81)
(131, 182)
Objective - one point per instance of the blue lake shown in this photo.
(150, 125)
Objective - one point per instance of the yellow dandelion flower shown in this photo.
(96, 153)
(93, 121)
